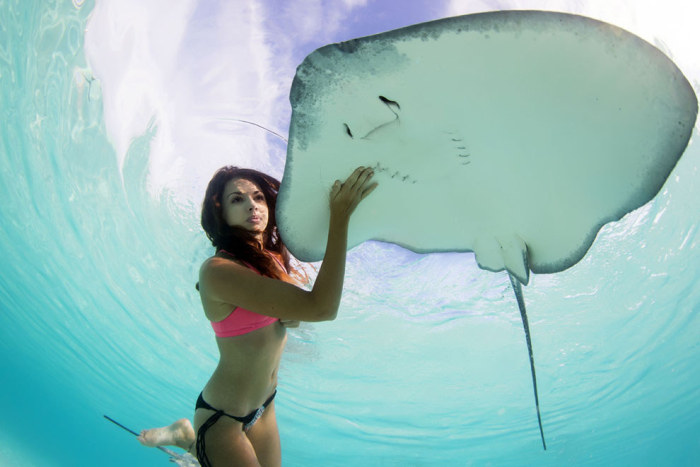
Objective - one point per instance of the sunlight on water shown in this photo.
(426, 364)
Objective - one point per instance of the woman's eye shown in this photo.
(237, 199)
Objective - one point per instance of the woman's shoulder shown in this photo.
(220, 261)
(218, 275)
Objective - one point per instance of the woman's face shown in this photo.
(244, 205)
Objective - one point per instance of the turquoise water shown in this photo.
(426, 364)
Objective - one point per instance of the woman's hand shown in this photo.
(289, 323)
(224, 281)
(346, 196)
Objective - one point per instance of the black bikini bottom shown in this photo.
(248, 421)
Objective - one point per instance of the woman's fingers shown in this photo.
(346, 196)
(356, 174)
(354, 182)
(362, 187)
(358, 178)
(335, 189)
(369, 190)
(288, 323)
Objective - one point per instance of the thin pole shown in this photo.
(165, 450)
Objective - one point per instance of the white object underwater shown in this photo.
(514, 134)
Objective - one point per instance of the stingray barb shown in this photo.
(540, 126)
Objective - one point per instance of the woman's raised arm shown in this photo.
(226, 282)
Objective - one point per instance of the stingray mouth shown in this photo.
(358, 132)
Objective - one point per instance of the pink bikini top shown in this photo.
(241, 321)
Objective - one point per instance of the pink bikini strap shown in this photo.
(279, 262)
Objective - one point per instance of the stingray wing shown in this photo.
(513, 134)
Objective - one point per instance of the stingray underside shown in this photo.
(516, 135)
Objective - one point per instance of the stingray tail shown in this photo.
(523, 314)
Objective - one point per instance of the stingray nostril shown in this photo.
(347, 129)
(389, 101)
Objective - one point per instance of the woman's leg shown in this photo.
(225, 442)
(265, 439)
(179, 433)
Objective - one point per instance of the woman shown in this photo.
(248, 294)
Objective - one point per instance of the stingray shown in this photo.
(515, 135)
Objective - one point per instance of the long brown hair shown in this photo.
(239, 242)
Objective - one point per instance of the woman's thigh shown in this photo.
(265, 438)
(226, 443)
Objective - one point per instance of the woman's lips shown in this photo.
(254, 219)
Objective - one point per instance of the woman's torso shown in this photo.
(247, 371)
